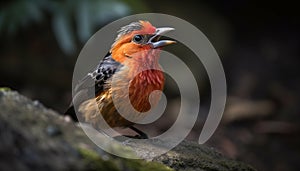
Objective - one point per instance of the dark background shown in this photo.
(258, 43)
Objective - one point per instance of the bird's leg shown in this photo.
(141, 135)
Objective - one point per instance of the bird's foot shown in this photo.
(137, 136)
(141, 134)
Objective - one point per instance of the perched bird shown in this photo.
(132, 63)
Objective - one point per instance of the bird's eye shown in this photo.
(138, 38)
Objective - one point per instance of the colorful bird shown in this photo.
(129, 72)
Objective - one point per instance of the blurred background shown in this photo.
(258, 43)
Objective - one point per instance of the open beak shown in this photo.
(154, 41)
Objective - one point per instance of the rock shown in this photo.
(190, 156)
(33, 137)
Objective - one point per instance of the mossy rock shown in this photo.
(33, 137)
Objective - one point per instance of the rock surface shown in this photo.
(33, 137)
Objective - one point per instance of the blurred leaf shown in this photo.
(63, 32)
(137, 6)
(2, 17)
(91, 14)
(84, 23)
(19, 14)
(104, 11)
(86, 15)
(34, 11)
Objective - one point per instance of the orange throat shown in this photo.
(142, 86)
(145, 76)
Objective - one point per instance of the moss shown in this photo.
(5, 89)
(94, 162)
(142, 165)
(127, 152)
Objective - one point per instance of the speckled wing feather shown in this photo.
(93, 83)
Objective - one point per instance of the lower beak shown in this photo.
(154, 41)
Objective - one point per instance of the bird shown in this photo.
(129, 72)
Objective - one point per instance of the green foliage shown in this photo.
(71, 20)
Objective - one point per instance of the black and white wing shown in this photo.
(93, 83)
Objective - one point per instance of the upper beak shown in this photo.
(154, 41)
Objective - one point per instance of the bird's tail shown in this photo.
(71, 112)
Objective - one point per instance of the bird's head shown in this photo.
(135, 40)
